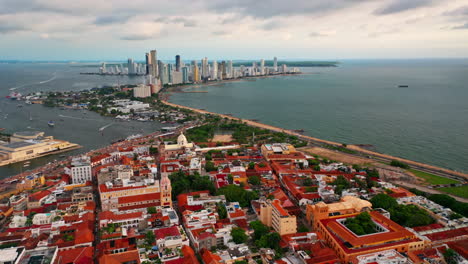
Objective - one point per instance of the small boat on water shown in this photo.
(51, 123)
(403, 86)
(14, 96)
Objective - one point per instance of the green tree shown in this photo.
(209, 166)
(383, 201)
(397, 163)
(251, 165)
(151, 210)
(307, 182)
(235, 193)
(302, 229)
(238, 235)
(450, 256)
(150, 238)
(259, 229)
(222, 212)
(153, 150)
(254, 180)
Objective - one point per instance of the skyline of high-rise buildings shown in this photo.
(162, 73)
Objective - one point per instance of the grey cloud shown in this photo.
(273, 8)
(464, 26)
(231, 19)
(272, 25)
(136, 37)
(461, 11)
(6, 28)
(397, 6)
(108, 20)
(177, 20)
(34, 6)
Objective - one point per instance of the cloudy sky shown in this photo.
(232, 29)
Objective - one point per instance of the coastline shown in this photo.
(164, 99)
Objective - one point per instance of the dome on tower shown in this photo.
(182, 140)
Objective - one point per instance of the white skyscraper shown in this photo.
(275, 64)
(262, 67)
(214, 69)
(230, 70)
(131, 66)
(204, 68)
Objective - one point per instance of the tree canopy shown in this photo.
(182, 183)
(406, 215)
(238, 235)
(234, 193)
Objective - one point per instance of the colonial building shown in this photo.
(347, 205)
(127, 195)
(348, 245)
(182, 146)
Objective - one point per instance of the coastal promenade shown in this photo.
(360, 151)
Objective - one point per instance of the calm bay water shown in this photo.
(359, 102)
(81, 127)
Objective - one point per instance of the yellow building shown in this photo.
(277, 148)
(272, 214)
(196, 74)
(347, 205)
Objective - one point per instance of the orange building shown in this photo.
(348, 245)
(347, 205)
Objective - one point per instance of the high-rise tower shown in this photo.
(154, 62)
(177, 62)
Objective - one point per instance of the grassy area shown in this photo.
(458, 191)
(431, 178)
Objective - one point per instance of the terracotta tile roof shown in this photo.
(99, 157)
(120, 258)
(108, 215)
(165, 232)
(427, 227)
(81, 255)
(461, 247)
(209, 257)
(279, 208)
(237, 214)
(448, 234)
(342, 234)
(139, 198)
(189, 255)
(37, 196)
